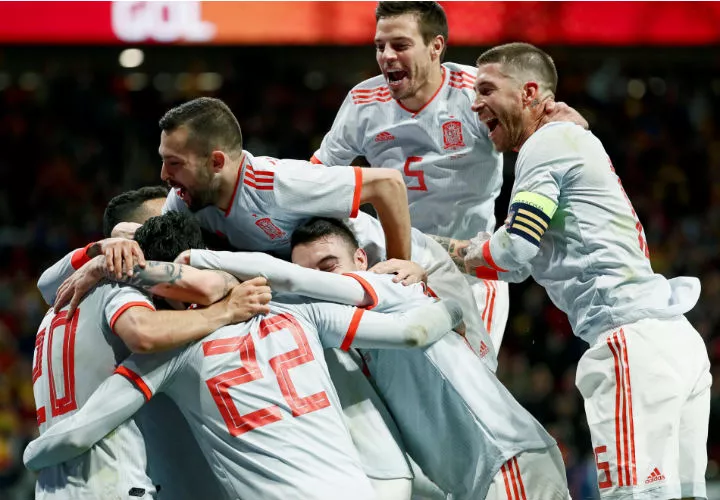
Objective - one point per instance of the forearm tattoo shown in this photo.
(455, 248)
(229, 281)
(154, 273)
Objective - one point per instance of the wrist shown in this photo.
(93, 249)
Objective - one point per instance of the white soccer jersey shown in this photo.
(573, 228)
(457, 420)
(258, 398)
(71, 359)
(52, 278)
(273, 197)
(452, 171)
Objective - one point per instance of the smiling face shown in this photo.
(405, 60)
(499, 103)
(192, 176)
(331, 254)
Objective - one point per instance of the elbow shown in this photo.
(139, 339)
(416, 335)
(389, 186)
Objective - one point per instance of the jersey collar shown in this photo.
(415, 113)
(240, 175)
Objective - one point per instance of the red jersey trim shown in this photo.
(368, 288)
(136, 380)
(486, 273)
(124, 308)
(358, 191)
(314, 160)
(352, 329)
(488, 258)
(415, 113)
(80, 256)
(237, 182)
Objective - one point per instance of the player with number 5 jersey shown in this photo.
(645, 378)
(416, 118)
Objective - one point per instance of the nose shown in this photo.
(477, 105)
(388, 54)
(164, 174)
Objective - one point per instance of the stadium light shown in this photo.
(131, 58)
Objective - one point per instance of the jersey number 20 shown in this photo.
(66, 403)
(238, 424)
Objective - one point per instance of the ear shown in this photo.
(438, 44)
(218, 160)
(361, 260)
(531, 94)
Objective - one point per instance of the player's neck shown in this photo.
(532, 126)
(228, 184)
(426, 92)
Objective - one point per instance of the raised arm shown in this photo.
(110, 405)
(283, 276)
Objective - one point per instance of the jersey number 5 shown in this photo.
(415, 173)
(66, 403)
(238, 424)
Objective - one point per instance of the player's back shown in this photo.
(593, 258)
(72, 357)
(451, 168)
(469, 424)
(263, 408)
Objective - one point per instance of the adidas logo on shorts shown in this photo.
(655, 476)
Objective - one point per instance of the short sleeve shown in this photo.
(150, 373)
(313, 190)
(121, 298)
(343, 143)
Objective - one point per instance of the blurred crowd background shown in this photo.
(76, 128)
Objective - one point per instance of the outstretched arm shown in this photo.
(416, 327)
(111, 404)
(282, 276)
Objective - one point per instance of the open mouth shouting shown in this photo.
(181, 191)
(396, 77)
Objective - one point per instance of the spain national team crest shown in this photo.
(452, 135)
(270, 229)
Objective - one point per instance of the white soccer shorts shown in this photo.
(531, 475)
(493, 302)
(647, 399)
(371, 427)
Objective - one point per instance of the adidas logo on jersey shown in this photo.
(655, 476)
(384, 136)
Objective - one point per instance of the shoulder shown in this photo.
(372, 91)
(460, 84)
(557, 145)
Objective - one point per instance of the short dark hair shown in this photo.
(128, 206)
(210, 122)
(322, 227)
(165, 236)
(524, 58)
(431, 17)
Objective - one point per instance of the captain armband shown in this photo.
(530, 216)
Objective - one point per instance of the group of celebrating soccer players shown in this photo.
(318, 353)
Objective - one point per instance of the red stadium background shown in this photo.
(78, 115)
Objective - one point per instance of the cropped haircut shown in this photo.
(431, 18)
(525, 59)
(322, 227)
(165, 236)
(128, 207)
(211, 125)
